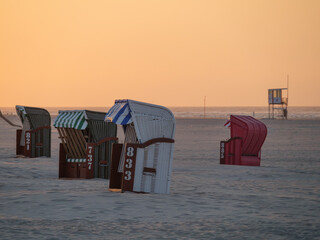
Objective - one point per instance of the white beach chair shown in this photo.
(143, 163)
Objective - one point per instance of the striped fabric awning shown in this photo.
(120, 113)
(71, 119)
(76, 160)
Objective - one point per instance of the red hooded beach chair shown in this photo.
(244, 146)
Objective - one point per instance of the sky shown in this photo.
(169, 52)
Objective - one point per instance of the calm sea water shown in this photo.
(210, 112)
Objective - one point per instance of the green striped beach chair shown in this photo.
(86, 143)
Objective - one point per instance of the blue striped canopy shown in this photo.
(120, 113)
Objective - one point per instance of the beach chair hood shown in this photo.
(82, 119)
(150, 121)
(36, 117)
(252, 131)
(75, 119)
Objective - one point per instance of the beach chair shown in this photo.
(86, 142)
(34, 139)
(244, 147)
(143, 163)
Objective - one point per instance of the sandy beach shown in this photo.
(204, 61)
(279, 200)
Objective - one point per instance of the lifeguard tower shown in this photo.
(278, 103)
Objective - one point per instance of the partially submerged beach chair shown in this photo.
(143, 163)
(244, 146)
(34, 139)
(86, 142)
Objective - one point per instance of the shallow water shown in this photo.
(279, 200)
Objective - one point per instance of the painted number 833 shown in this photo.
(128, 163)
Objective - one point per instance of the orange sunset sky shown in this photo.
(173, 53)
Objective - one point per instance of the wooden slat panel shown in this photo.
(78, 143)
(81, 138)
(63, 140)
(73, 143)
(69, 142)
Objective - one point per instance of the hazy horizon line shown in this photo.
(156, 104)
